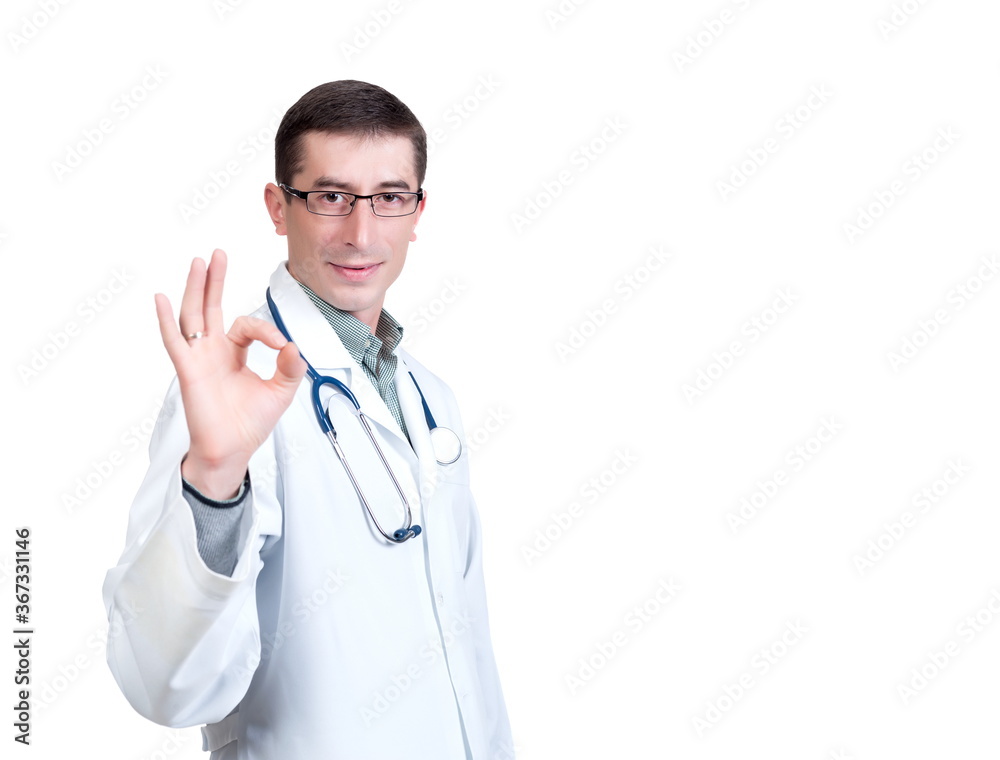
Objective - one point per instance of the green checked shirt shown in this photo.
(375, 353)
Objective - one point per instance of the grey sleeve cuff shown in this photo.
(217, 525)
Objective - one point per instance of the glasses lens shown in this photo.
(330, 203)
(395, 204)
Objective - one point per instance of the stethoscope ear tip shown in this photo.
(401, 535)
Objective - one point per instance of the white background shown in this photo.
(543, 331)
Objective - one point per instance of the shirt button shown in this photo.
(440, 599)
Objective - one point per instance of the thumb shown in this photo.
(290, 369)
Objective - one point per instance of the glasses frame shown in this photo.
(304, 195)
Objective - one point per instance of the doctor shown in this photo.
(256, 594)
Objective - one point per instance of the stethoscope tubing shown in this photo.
(442, 439)
(409, 530)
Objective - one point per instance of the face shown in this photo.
(348, 261)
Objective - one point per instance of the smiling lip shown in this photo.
(356, 273)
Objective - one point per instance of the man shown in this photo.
(258, 593)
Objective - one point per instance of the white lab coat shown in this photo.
(327, 641)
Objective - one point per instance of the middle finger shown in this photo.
(192, 318)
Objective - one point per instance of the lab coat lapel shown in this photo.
(319, 343)
(416, 426)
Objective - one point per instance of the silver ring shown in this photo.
(195, 336)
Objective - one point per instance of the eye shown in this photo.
(331, 198)
(389, 198)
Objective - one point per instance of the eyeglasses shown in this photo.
(336, 203)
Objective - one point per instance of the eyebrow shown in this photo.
(332, 182)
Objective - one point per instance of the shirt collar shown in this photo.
(355, 334)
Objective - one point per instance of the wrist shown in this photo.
(219, 481)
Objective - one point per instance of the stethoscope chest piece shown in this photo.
(447, 447)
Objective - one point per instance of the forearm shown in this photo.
(217, 525)
(183, 640)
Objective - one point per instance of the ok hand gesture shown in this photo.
(230, 410)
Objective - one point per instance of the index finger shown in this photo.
(173, 341)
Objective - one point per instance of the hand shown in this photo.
(230, 409)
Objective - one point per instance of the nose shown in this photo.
(359, 225)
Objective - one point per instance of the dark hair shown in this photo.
(346, 106)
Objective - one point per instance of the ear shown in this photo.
(274, 199)
(417, 214)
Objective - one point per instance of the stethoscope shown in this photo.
(446, 444)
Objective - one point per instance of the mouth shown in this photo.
(355, 273)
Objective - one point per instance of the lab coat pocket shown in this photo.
(449, 515)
